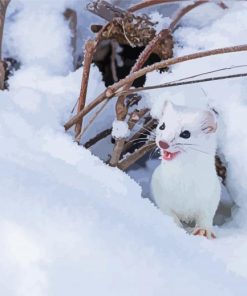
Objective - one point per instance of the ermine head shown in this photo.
(183, 130)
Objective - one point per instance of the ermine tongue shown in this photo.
(168, 155)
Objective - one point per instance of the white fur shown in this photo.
(187, 187)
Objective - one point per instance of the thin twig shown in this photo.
(3, 7)
(83, 130)
(188, 8)
(135, 116)
(163, 64)
(111, 90)
(90, 46)
(132, 158)
(148, 3)
(98, 137)
(121, 108)
(147, 127)
(117, 151)
(171, 84)
(113, 61)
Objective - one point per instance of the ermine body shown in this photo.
(185, 185)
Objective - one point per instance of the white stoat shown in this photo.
(185, 185)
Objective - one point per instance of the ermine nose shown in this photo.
(163, 145)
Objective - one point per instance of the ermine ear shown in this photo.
(209, 122)
(168, 106)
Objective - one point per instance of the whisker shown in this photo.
(138, 141)
(200, 151)
(142, 127)
(187, 144)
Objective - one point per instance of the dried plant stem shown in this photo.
(98, 137)
(119, 146)
(117, 151)
(83, 130)
(147, 127)
(102, 97)
(136, 116)
(3, 7)
(113, 60)
(172, 84)
(121, 108)
(90, 46)
(181, 13)
(110, 91)
(126, 163)
(148, 3)
(188, 8)
(130, 78)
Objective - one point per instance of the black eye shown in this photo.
(162, 127)
(185, 134)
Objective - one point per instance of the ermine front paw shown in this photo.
(204, 232)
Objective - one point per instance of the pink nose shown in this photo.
(163, 145)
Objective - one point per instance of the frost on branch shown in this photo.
(120, 129)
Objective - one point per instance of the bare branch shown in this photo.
(121, 108)
(147, 127)
(117, 151)
(130, 78)
(188, 8)
(148, 3)
(3, 7)
(132, 158)
(110, 91)
(102, 97)
(135, 116)
(98, 137)
(172, 84)
(91, 121)
(90, 46)
(113, 61)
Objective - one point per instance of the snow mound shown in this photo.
(69, 224)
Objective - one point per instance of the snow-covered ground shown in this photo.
(71, 225)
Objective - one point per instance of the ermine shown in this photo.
(185, 185)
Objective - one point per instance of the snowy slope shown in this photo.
(70, 225)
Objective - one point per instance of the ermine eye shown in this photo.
(185, 134)
(163, 126)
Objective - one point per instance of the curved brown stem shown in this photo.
(121, 108)
(184, 11)
(172, 84)
(148, 3)
(110, 91)
(90, 46)
(163, 64)
(188, 8)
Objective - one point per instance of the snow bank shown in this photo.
(70, 225)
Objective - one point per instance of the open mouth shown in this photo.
(169, 155)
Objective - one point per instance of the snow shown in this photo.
(71, 225)
(120, 129)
